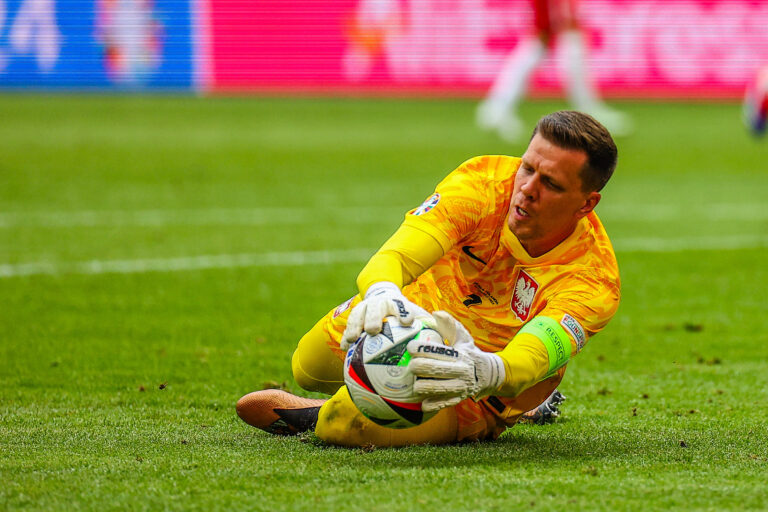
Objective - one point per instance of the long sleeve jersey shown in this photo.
(456, 253)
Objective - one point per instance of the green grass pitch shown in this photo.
(161, 256)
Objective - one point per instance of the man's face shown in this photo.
(548, 200)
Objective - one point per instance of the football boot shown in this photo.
(279, 412)
(546, 412)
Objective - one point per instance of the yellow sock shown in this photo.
(315, 366)
(341, 423)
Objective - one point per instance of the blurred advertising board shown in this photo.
(96, 44)
(664, 48)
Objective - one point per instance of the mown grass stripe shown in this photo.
(281, 215)
(698, 243)
(271, 259)
(194, 217)
(301, 258)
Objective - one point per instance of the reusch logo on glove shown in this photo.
(401, 308)
(446, 351)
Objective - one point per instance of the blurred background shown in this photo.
(187, 186)
(636, 48)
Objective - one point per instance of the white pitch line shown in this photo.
(270, 259)
(346, 214)
(703, 243)
(303, 258)
(196, 217)
(685, 212)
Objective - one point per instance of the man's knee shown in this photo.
(315, 366)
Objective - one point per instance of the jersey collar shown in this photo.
(565, 251)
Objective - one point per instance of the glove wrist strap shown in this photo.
(496, 376)
(382, 287)
(498, 372)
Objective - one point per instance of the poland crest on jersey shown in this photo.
(522, 298)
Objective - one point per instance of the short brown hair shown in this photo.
(569, 129)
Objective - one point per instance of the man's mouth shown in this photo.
(521, 212)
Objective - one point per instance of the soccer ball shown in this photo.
(378, 378)
(756, 103)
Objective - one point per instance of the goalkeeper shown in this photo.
(521, 272)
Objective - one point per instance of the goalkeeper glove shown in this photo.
(382, 299)
(446, 375)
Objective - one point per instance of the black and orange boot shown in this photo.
(546, 412)
(279, 412)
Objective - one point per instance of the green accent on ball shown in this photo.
(392, 356)
(554, 338)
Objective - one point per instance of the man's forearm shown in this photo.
(405, 256)
(526, 361)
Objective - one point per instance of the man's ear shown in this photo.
(589, 204)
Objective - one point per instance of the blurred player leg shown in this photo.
(756, 103)
(564, 20)
(512, 82)
(498, 110)
(581, 93)
(374, 23)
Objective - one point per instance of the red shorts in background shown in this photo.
(553, 16)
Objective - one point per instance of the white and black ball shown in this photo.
(378, 378)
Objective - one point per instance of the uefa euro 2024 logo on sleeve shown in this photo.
(427, 205)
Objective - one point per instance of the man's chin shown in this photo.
(521, 232)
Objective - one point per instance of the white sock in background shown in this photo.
(580, 90)
(511, 82)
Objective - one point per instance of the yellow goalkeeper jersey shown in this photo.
(488, 281)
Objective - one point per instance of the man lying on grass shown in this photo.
(511, 255)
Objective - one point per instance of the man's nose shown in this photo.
(529, 187)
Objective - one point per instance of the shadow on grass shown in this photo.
(549, 444)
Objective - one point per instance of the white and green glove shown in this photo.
(382, 299)
(447, 374)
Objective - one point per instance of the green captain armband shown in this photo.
(554, 338)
